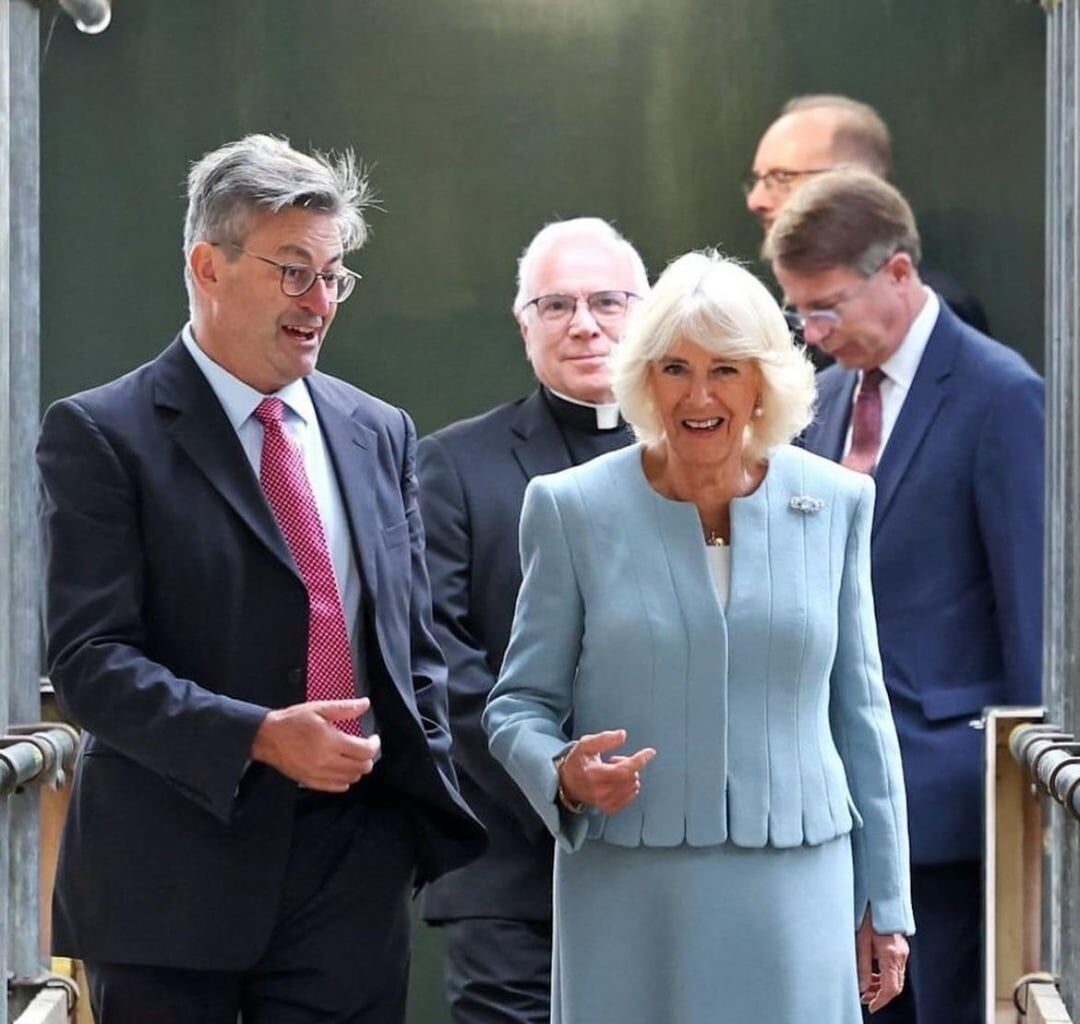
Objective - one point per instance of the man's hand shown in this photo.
(302, 743)
(610, 785)
(891, 953)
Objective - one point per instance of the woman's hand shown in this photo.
(880, 987)
(586, 778)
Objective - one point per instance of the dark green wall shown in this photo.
(484, 118)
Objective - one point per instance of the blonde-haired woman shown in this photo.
(703, 598)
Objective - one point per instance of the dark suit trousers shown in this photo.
(339, 951)
(498, 971)
(944, 983)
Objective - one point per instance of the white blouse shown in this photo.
(720, 566)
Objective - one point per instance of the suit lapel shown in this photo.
(920, 408)
(351, 445)
(539, 446)
(204, 432)
(826, 434)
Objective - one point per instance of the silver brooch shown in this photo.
(802, 503)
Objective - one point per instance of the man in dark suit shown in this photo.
(817, 133)
(950, 424)
(234, 576)
(576, 281)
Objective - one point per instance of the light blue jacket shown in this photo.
(769, 717)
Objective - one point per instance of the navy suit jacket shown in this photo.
(957, 564)
(175, 617)
(473, 476)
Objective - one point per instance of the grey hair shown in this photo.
(230, 185)
(710, 300)
(557, 231)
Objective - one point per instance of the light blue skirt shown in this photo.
(704, 935)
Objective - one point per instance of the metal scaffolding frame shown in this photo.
(1061, 888)
(19, 413)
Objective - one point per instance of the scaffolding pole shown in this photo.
(1061, 874)
(19, 413)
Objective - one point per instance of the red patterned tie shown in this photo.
(866, 424)
(284, 480)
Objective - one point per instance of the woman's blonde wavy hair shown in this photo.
(709, 300)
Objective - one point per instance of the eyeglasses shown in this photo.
(604, 306)
(779, 179)
(298, 279)
(831, 318)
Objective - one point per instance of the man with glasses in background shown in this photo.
(239, 620)
(816, 133)
(577, 280)
(950, 424)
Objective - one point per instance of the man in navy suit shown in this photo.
(234, 578)
(577, 280)
(950, 424)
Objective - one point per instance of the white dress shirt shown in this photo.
(239, 400)
(899, 370)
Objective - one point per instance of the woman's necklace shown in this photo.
(661, 479)
(717, 539)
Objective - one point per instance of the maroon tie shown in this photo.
(866, 424)
(284, 480)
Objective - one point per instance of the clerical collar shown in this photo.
(593, 419)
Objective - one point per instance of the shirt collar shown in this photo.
(900, 367)
(239, 400)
